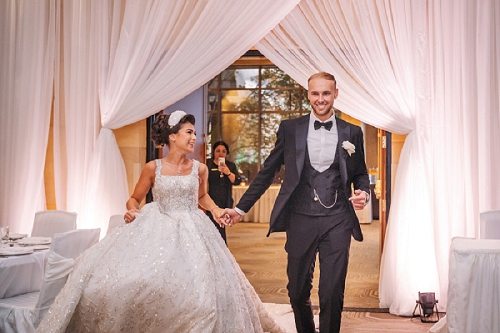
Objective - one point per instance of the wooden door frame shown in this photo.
(385, 175)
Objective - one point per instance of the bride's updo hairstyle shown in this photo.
(166, 124)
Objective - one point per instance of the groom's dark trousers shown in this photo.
(307, 236)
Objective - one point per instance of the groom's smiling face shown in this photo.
(322, 93)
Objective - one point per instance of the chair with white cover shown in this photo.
(115, 221)
(489, 224)
(50, 222)
(23, 313)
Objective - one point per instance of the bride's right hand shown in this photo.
(222, 217)
(130, 215)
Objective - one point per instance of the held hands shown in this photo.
(130, 215)
(221, 216)
(359, 199)
(235, 217)
(226, 216)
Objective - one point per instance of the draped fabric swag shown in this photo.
(27, 48)
(429, 69)
(426, 68)
(133, 59)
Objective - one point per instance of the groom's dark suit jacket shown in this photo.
(289, 150)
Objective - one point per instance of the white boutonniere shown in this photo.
(349, 147)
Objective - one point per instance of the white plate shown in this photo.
(15, 251)
(15, 236)
(40, 247)
(35, 241)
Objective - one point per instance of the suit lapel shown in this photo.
(344, 134)
(301, 142)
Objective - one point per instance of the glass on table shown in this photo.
(5, 232)
(373, 175)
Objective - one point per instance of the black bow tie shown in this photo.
(328, 125)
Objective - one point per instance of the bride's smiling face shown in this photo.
(185, 139)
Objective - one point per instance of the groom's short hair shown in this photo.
(323, 75)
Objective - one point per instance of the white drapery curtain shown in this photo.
(429, 69)
(134, 58)
(27, 46)
(426, 68)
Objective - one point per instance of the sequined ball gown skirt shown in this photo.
(167, 271)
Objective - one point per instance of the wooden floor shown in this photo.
(263, 260)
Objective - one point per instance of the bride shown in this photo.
(167, 269)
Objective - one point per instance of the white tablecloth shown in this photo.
(22, 274)
(474, 286)
(261, 211)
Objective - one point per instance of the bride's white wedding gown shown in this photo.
(167, 271)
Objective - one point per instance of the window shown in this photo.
(245, 107)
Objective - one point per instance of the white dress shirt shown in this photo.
(322, 144)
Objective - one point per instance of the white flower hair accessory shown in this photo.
(349, 147)
(175, 117)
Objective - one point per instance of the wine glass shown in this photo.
(4, 233)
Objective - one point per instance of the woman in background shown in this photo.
(221, 178)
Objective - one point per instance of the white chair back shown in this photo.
(115, 221)
(47, 223)
(489, 224)
(65, 248)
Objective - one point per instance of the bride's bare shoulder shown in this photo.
(150, 166)
(202, 168)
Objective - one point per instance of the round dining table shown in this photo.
(21, 273)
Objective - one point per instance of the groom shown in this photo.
(323, 157)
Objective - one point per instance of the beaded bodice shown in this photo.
(175, 193)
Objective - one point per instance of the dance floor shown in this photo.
(263, 260)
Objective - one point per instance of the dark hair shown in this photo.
(220, 143)
(160, 130)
